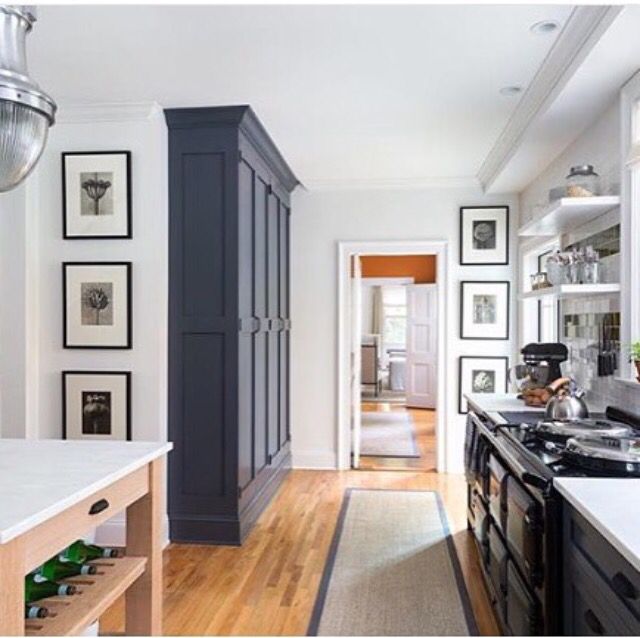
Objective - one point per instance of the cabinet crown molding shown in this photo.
(241, 117)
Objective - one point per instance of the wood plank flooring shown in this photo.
(269, 585)
(425, 424)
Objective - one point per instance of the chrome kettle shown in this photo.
(567, 405)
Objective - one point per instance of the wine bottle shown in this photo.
(80, 552)
(35, 611)
(37, 587)
(58, 568)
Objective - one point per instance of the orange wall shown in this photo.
(421, 267)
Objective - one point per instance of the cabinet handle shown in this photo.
(624, 587)
(98, 506)
(593, 622)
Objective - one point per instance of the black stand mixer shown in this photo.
(541, 365)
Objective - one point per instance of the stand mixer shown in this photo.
(540, 367)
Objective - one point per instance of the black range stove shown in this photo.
(598, 446)
(515, 513)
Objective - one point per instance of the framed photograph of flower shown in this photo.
(484, 236)
(96, 405)
(484, 310)
(96, 195)
(481, 375)
(97, 304)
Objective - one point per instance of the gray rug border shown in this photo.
(414, 440)
(321, 596)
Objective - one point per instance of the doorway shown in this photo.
(391, 411)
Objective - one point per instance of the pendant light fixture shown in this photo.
(26, 112)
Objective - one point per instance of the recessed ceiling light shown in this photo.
(544, 27)
(510, 91)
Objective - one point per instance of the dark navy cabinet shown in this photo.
(601, 588)
(229, 322)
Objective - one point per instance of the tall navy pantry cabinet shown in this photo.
(229, 211)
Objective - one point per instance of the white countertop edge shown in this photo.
(564, 487)
(47, 513)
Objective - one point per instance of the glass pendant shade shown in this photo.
(26, 113)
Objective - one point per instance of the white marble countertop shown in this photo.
(39, 479)
(612, 506)
(492, 404)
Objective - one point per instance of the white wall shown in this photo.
(31, 259)
(319, 221)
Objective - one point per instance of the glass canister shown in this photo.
(582, 181)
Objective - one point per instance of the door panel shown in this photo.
(422, 345)
(273, 292)
(260, 337)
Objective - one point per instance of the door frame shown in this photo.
(346, 249)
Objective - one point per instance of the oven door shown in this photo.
(522, 610)
(480, 525)
(496, 485)
(524, 531)
(497, 570)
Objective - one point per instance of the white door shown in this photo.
(422, 345)
(356, 341)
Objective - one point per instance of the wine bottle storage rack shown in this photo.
(70, 615)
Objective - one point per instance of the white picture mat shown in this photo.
(469, 364)
(77, 224)
(76, 384)
(498, 330)
(82, 335)
(483, 256)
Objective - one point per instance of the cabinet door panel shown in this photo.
(284, 333)
(273, 286)
(260, 344)
(246, 435)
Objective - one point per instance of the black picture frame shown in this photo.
(508, 310)
(129, 297)
(466, 262)
(460, 364)
(124, 373)
(129, 231)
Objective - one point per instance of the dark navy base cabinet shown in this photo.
(229, 322)
(601, 588)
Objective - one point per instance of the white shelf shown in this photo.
(567, 213)
(572, 290)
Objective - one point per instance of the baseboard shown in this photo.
(113, 533)
(314, 461)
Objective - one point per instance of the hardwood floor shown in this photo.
(268, 586)
(425, 424)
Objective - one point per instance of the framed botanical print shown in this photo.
(97, 304)
(96, 405)
(484, 235)
(484, 309)
(96, 195)
(481, 375)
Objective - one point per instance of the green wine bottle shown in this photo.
(35, 611)
(37, 587)
(58, 568)
(80, 552)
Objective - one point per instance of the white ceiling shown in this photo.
(593, 88)
(349, 93)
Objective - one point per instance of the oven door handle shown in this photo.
(527, 477)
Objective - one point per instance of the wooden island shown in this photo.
(55, 492)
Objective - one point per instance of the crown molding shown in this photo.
(392, 183)
(582, 31)
(107, 112)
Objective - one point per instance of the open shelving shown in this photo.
(70, 615)
(566, 214)
(572, 290)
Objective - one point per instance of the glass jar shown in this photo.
(582, 181)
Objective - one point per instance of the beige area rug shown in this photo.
(392, 570)
(390, 434)
(384, 396)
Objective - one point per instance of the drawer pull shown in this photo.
(99, 506)
(624, 587)
(593, 622)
